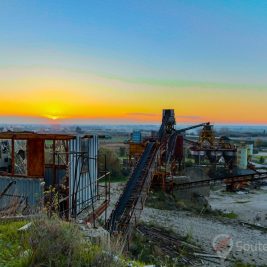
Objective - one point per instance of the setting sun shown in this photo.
(52, 117)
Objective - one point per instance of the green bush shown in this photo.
(54, 242)
(112, 162)
(51, 242)
(11, 244)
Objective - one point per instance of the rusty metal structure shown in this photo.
(235, 179)
(160, 159)
(223, 157)
(208, 147)
(58, 171)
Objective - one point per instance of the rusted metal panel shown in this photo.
(35, 153)
(179, 147)
(98, 212)
(34, 160)
(27, 136)
(136, 149)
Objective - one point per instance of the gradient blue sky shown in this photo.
(155, 42)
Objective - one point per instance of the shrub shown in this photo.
(55, 243)
(11, 245)
(51, 242)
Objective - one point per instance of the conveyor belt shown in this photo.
(128, 199)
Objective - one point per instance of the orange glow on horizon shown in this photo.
(64, 98)
(52, 117)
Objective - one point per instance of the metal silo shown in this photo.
(242, 157)
(250, 148)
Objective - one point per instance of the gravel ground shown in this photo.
(115, 191)
(251, 207)
(204, 229)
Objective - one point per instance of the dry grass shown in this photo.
(13, 207)
(56, 243)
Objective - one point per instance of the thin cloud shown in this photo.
(189, 117)
(142, 114)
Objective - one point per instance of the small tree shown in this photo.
(112, 162)
(262, 160)
(122, 151)
(258, 143)
(78, 130)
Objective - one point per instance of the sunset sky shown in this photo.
(124, 61)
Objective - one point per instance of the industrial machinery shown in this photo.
(208, 147)
(160, 159)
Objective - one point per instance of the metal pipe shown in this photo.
(192, 127)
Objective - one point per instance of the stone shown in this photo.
(98, 236)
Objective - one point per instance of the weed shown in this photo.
(189, 237)
(241, 264)
(230, 215)
(11, 243)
